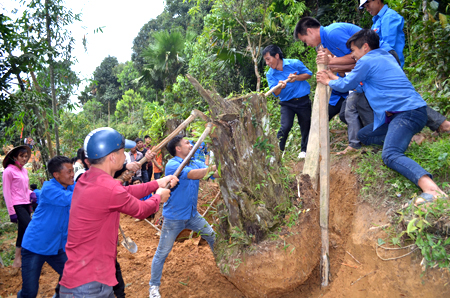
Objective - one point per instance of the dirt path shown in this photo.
(190, 269)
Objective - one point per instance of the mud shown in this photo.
(190, 269)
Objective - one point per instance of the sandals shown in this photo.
(426, 197)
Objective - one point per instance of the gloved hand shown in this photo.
(33, 198)
(13, 218)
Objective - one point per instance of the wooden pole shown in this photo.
(324, 138)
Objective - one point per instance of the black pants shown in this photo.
(302, 108)
(119, 289)
(23, 219)
(334, 110)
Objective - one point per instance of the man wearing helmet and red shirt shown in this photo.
(97, 202)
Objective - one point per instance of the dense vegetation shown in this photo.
(218, 42)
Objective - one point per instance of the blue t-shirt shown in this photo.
(385, 85)
(334, 37)
(295, 89)
(47, 230)
(38, 193)
(182, 204)
(389, 26)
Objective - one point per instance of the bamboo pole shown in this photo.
(324, 143)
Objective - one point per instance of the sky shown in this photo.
(121, 20)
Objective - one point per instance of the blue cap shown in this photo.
(104, 140)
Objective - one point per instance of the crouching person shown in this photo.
(399, 111)
(180, 211)
(46, 235)
(97, 202)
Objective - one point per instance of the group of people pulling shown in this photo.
(370, 91)
(75, 225)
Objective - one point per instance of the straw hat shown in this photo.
(9, 154)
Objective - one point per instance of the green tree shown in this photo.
(165, 56)
(129, 108)
(244, 27)
(107, 91)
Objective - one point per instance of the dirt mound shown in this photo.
(273, 267)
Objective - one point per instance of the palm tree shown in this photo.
(164, 57)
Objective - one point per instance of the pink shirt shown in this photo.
(97, 202)
(15, 187)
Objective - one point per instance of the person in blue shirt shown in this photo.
(294, 96)
(202, 153)
(357, 111)
(397, 115)
(180, 211)
(388, 24)
(37, 192)
(46, 235)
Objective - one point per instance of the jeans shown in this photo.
(170, 230)
(92, 289)
(157, 175)
(395, 137)
(145, 176)
(435, 119)
(23, 219)
(358, 114)
(31, 270)
(288, 111)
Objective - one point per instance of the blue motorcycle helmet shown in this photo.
(103, 141)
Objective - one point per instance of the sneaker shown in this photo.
(154, 292)
(302, 154)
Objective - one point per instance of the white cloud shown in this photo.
(121, 20)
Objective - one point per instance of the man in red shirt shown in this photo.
(97, 202)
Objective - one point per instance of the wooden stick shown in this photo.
(350, 265)
(193, 150)
(362, 277)
(156, 228)
(276, 87)
(353, 258)
(207, 209)
(324, 143)
(194, 115)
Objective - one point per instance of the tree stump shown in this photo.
(250, 248)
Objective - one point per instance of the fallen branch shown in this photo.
(362, 277)
(396, 258)
(212, 203)
(353, 258)
(350, 265)
(380, 227)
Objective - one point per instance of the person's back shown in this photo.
(335, 36)
(385, 84)
(94, 223)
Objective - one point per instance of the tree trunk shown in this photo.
(109, 112)
(52, 76)
(255, 193)
(44, 115)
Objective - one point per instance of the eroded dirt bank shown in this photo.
(190, 269)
